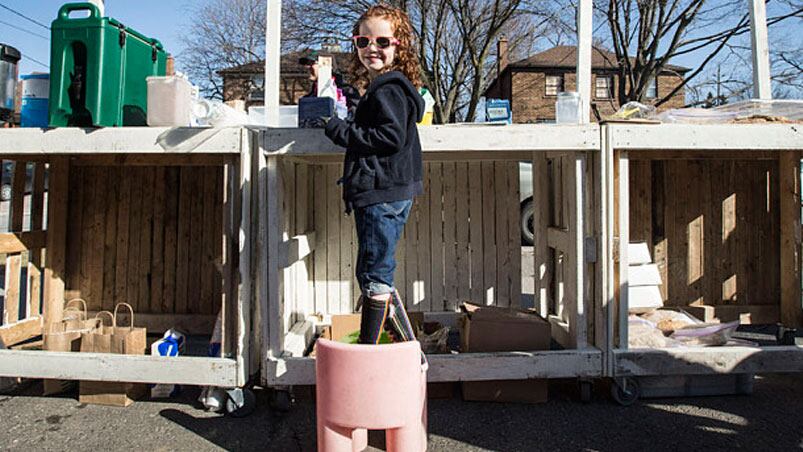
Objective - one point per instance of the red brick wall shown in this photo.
(290, 89)
(530, 104)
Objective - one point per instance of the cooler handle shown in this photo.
(64, 11)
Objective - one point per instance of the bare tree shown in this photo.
(221, 34)
(647, 34)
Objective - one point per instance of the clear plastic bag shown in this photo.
(634, 110)
(706, 334)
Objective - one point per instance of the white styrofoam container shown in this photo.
(288, 116)
(169, 101)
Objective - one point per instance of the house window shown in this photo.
(256, 87)
(554, 85)
(603, 87)
(652, 89)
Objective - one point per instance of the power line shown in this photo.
(24, 16)
(35, 61)
(24, 30)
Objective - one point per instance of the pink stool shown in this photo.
(370, 387)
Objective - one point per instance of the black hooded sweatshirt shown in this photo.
(383, 151)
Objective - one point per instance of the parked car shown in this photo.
(526, 200)
(8, 175)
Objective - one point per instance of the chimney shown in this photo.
(501, 54)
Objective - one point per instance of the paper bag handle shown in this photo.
(108, 313)
(130, 309)
(67, 305)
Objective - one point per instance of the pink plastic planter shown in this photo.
(370, 387)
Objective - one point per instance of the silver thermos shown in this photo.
(9, 57)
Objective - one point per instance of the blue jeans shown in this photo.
(379, 227)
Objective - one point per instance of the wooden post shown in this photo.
(789, 165)
(244, 243)
(584, 37)
(762, 88)
(56, 239)
(624, 240)
(273, 48)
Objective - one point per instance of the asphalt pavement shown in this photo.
(770, 419)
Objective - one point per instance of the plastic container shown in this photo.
(567, 108)
(98, 68)
(288, 116)
(169, 101)
(35, 91)
(9, 57)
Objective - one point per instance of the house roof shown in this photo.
(289, 62)
(565, 57)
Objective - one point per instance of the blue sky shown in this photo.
(161, 19)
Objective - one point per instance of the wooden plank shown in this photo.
(114, 367)
(194, 276)
(400, 275)
(231, 224)
(476, 233)
(183, 241)
(20, 331)
(466, 367)
(158, 251)
(333, 215)
(462, 207)
(74, 227)
(122, 140)
(301, 209)
(347, 301)
(56, 239)
(17, 208)
(623, 223)
(208, 240)
(412, 283)
(11, 305)
(88, 235)
(746, 315)
(35, 256)
(541, 266)
(274, 185)
(146, 239)
(149, 160)
(436, 237)
(489, 212)
(501, 230)
(424, 246)
(110, 238)
(288, 219)
(134, 238)
(219, 238)
(97, 247)
(296, 249)
(449, 237)
(172, 188)
(320, 206)
(791, 313)
(17, 242)
(123, 222)
(514, 233)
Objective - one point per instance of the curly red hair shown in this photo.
(406, 60)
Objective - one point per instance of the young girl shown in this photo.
(382, 168)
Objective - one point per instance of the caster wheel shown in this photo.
(240, 402)
(625, 391)
(586, 389)
(281, 400)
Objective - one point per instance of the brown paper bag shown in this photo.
(65, 336)
(128, 340)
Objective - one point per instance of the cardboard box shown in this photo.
(492, 329)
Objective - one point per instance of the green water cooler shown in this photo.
(98, 68)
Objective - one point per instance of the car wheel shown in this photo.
(527, 218)
(5, 192)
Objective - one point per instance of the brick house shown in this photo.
(533, 83)
(246, 82)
